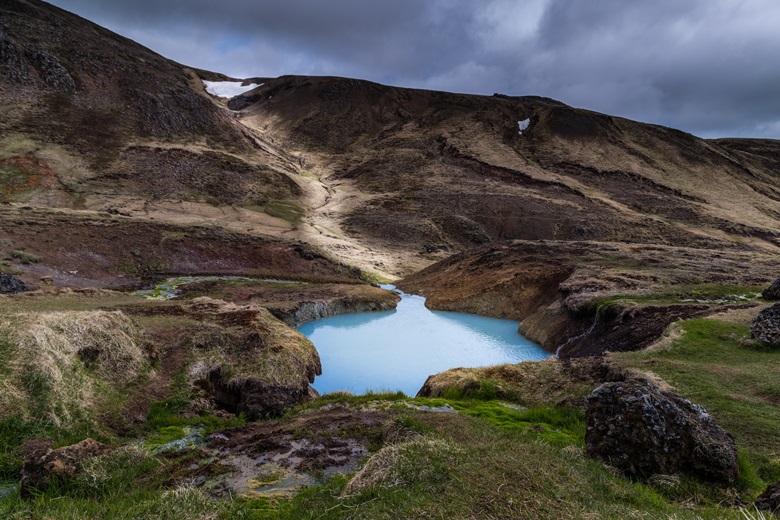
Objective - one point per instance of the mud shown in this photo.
(279, 457)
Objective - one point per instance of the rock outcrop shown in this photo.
(10, 284)
(642, 431)
(769, 500)
(766, 326)
(772, 292)
(42, 463)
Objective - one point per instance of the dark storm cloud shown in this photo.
(706, 66)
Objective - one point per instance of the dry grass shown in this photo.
(263, 347)
(546, 382)
(410, 462)
(58, 362)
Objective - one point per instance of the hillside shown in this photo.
(165, 243)
(387, 179)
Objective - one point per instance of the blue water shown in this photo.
(398, 350)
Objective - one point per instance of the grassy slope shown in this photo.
(487, 461)
(712, 363)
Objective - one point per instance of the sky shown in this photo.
(709, 67)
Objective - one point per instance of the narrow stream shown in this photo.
(398, 350)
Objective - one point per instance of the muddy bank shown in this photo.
(585, 298)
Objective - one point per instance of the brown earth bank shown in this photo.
(585, 298)
(99, 249)
(298, 302)
(221, 355)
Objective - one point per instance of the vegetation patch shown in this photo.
(287, 210)
(12, 179)
(61, 365)
(5, 268)
(25, 258)
(710, 294)
(712, 363)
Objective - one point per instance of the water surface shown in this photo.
(398, 350)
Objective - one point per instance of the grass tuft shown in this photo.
(25, 258)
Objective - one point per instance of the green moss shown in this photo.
(11, 179)
(165, 435)
(140, 265)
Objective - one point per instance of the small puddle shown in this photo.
(398, 350)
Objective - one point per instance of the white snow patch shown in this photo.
(228, 89)
(522, 125)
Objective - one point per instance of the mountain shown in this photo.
(387, 179)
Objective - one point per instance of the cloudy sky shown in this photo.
(710, 67)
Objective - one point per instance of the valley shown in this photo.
(630, 251)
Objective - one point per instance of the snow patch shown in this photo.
(523, 125)
(228, 89)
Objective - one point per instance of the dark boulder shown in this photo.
(9, 284)
(766, 326)
(42, 463)
(769, 500)
(643, 431)
(772, 292)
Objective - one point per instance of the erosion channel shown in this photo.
(399, 349)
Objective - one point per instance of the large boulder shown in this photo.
(9, 284)
(643, 431)
(772, 292)
(766, 326)
(42, 463)
(769, 500)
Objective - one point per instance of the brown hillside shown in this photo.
(388, 179)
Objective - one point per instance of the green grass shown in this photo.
(712, 364)
(559, 426)
(685, 294)
(25, 258)
(488, 461)
(165, 418)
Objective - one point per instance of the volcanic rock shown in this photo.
(642, 431)
(766, 326)
(9, 284)
(772, 292)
